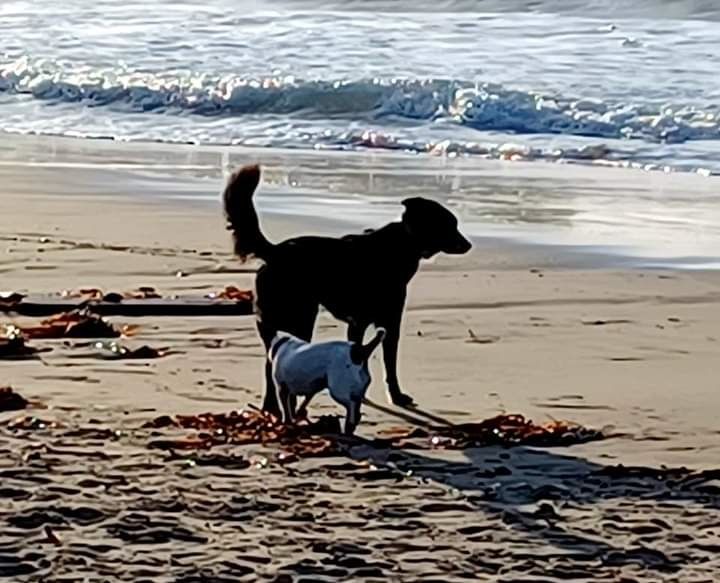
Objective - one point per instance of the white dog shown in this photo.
(306, 368)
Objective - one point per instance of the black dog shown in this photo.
(360, 279)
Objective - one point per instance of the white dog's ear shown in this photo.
(360, 353)
(278, 340)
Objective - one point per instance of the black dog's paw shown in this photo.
(402, 400)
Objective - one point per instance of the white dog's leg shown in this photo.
(302, 411)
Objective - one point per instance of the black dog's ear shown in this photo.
(414, 209)
(414, 202)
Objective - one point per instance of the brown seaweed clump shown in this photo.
(75, 324)
(12, 401)
(93, 294)
(250, 426)
(115, 351)
(322, 437)
(143, 293)
(10, 299)
(13, 345)
(85, 293)
(506, 430)
(232, 293)
(31, 423)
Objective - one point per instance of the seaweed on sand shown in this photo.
(250, 426)
(506, 430)
(76, 324)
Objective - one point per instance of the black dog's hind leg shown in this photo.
(270, 402)
(356, 331)
(302, 327)
(352, 417)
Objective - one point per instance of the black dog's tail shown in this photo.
(242, 219)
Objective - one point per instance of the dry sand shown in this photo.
(633, 349)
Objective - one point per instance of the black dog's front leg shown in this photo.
(352, 417)
(270, 402)
(390, 352)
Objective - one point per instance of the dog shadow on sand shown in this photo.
(583, 514)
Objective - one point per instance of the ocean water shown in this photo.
(353, 104)
(587, 82)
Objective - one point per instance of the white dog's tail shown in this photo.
(360, 353)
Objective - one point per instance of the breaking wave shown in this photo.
(481, 106)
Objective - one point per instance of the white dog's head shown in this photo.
(279, 339)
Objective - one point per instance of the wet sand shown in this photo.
(552, 337)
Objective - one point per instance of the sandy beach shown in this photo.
(512, 327)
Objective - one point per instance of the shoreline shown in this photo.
(541, 209)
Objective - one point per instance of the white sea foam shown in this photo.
(459, 77)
